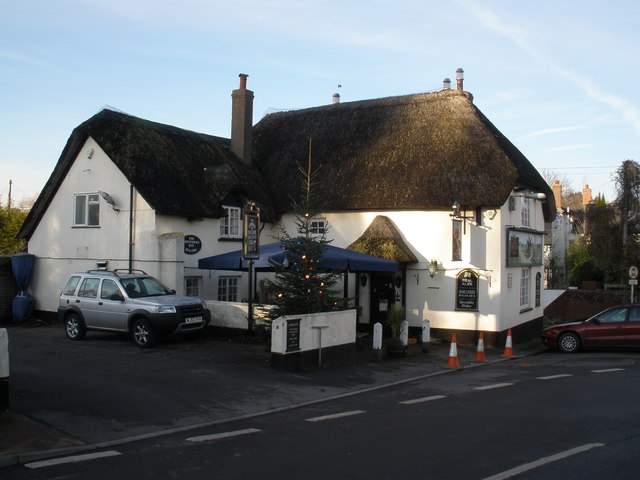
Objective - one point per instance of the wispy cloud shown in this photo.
(549, 131)
(626, 108)
(565, 148)
(27, 60)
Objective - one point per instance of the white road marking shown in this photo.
(553, 377)
(334, 416)
(495, 385)
(543, 461)
(72, 459)
(423, 399)
(607, 370)
(217, 436)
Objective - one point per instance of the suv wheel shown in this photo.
(74, 327)
(143, 333)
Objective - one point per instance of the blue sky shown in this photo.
(556, 77)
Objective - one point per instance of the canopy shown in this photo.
(333, 258)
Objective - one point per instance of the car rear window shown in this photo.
(70, 288)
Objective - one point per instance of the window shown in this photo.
(109, 289)
(89, 288)
(524, 288)
(192, 286)
(317, 226)
(228, 289)
(456, 238)
(526, 214)
(70, 288)
(86, 210)
(614, 316)
(230, 223)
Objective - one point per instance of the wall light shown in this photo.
(432, 268)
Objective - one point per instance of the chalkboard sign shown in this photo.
(467, 290)
(293, 335)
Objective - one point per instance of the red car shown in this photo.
(614, 327)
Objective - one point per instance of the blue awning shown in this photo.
(334, 258)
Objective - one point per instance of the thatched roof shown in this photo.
(419, 151)
(382, 239)
(164, 163)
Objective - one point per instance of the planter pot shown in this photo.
(396, 349)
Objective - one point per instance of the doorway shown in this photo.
(382, 297)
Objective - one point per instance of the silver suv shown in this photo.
(132, 302)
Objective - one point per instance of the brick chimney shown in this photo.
(586, 196)
(242, 120)
(557, 194)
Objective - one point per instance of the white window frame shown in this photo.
(227, 289)
(525, 288)
(526, 212)
(231, 223)
(83, 214)
(317, 226)
(192, 286)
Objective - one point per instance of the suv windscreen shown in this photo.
(144, 287)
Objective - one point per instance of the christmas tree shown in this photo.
(301, 285)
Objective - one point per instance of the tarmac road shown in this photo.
(103, 390)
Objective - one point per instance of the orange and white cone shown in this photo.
(480, 350)
(508, 348)
(452, 362)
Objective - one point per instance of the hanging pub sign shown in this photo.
(467, 290)
(192, 244)
(524, 248)
(251, 232)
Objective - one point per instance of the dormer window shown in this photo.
(86, 210)
(317, 227)
(230, 223)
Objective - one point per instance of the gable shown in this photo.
(165, 164)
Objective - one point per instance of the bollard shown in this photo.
(404, 333)
(426, 335)
(377, 341)
(4, 370)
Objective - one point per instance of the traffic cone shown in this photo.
(508, 348)
(452, 362)
(480, 350)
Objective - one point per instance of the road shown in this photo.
(542, 417)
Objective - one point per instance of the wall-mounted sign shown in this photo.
(467, 290)
(524, 248)
(192, 244)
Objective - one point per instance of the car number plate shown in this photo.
(193, 320)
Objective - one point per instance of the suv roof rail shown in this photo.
(99, 270)
(119, 271)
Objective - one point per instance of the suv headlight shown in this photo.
(166, 309)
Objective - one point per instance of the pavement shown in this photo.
(25, 437)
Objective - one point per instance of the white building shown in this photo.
(127, 192)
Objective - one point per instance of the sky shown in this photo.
(556, 77)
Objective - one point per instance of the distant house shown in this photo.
(425, 179)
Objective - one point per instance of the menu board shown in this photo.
(467, 290)
(293, 335)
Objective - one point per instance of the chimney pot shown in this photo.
(459, 78)
(243, 81)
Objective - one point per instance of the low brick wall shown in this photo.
(574, 305)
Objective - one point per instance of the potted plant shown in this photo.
(395, 317)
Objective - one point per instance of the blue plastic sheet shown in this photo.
(23, 303)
